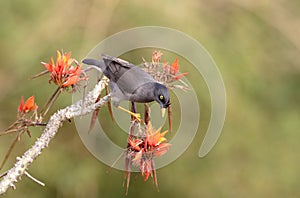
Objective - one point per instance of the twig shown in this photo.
(22, 164)
(9, 150)
(50, 101)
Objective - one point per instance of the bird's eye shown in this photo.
(161, 97)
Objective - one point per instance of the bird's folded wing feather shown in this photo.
(127, 76)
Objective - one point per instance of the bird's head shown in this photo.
(162, 96)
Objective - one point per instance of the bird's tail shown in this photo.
(93, 62)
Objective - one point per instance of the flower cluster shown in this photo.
(142, 150)
(26, 117)
(62, 73)
(163, 72)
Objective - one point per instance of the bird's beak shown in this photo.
(163, 111)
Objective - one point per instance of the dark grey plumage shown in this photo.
(129, 82)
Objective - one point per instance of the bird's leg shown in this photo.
(147, 113)
(133, 109)
(135, 115)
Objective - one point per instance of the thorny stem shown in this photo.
(13, 175)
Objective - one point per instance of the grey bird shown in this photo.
(129, 82)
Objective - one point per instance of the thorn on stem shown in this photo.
(34, 179)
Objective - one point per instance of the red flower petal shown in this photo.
(135, 144)
(48, 66)
(175, 67)
(180, 76)
(29, 105)
(20, 108)
(71, 81)
(162, 149)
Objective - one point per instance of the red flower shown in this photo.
(163, 72)
(142, 150)
(29, 105)
(155, 141)
(62, 72)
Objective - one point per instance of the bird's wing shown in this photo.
(110, 59)
(132, 79)
(127, 76)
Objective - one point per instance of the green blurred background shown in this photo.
(256, 45)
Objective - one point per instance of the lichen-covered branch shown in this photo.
(13, 175)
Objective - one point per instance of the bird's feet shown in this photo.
(137, 116)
